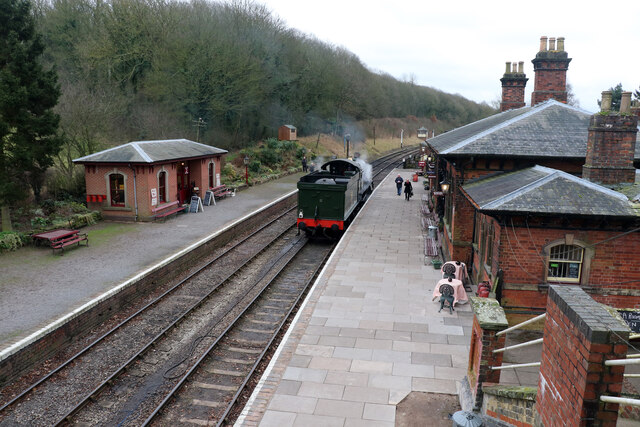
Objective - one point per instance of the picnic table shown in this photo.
(59, 239)
(459, 294)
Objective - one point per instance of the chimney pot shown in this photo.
(514, 67)
(552, 43)
(605, 105)
(508, 68)
(561, 44)
(625, 103)
(521, 67)
(543, 43)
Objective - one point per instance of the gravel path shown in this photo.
(38, 287)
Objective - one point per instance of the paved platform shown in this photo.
(368, 333)
(39, 289)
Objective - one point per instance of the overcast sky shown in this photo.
(461, 46)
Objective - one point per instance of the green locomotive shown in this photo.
(328, 198)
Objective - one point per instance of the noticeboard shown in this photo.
(208, 197)
(195, 205)
(632, 318)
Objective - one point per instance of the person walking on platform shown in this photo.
(408, 190)
(304, 163)
(399, 184)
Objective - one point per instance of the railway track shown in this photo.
(187, 355)
(122, 368)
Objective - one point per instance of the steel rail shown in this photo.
(269, 344)
(92, 395)
(119, 326)
(205, 354)
(520, 325)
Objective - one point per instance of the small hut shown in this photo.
(287, 133)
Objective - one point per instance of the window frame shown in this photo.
(162, 186)
(114, 192)
(567, 261)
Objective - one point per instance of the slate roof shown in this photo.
(549, 129)
(544, 190)
(152, 152)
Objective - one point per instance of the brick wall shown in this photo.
(488, 320)
(612, 262)
(513, 405)
(579, 335)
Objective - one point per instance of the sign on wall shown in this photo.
(154, 197)
(217, 179)
(632, 318)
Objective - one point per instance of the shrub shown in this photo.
(81, 220)
(273, 144)
(255, 166)
(270, 158)
(11, 241)
(39, 222)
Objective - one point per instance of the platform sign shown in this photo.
(154, 197)
(632, 318)
(208, 198)
(196, 205)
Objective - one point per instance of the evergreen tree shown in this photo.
(28, 93)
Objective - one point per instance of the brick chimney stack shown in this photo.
(550, 67)
(513, 83)
(611, 143)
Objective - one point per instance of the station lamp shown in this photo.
(444, 186)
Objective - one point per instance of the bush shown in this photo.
(81, 220)
(273, 144)
(11, 241)
(255, 166)
(270, 158)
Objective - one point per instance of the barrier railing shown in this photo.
(520, 325)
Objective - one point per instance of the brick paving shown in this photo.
(368, 333)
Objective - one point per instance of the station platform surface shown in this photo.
(368, 333)
(38, 289)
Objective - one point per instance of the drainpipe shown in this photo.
(135, 195)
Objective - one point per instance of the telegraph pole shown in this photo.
(198, 124)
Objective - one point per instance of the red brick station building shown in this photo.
(129, 181)
(543, 194)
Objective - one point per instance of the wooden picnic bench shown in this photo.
(221, 191)
(166, 209)
(69, 240)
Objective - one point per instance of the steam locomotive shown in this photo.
(328, 198)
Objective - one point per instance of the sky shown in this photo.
(461, 46)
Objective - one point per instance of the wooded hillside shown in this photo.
(151, 69)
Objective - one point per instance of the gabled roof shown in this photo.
(544, 190)
(549, 129)
(152, 152)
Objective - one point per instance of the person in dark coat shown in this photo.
(304, 163)
(408, 190)
(399, 181)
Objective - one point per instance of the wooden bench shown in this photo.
(64, 242)
(167, 209)
(221, 191)
(430, 246)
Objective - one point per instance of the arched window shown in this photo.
(212, 175)
(162, 187)
(565, 263)
(116, 189)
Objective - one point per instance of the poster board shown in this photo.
(208, 198)
(196, 204)
(632, 318)
(154, 197)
